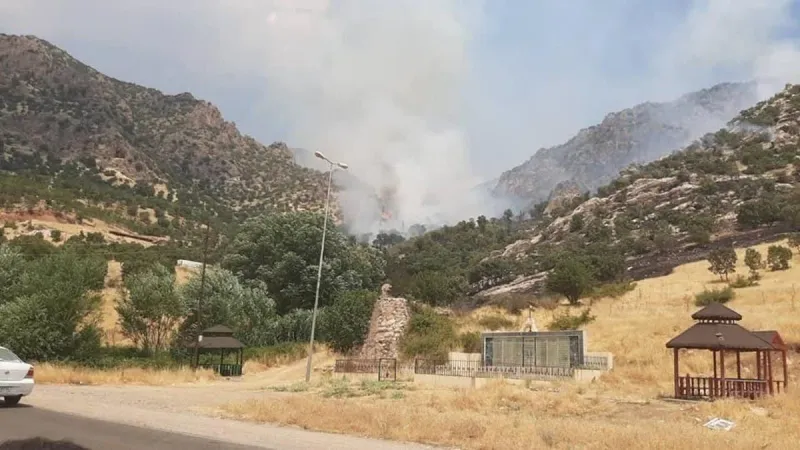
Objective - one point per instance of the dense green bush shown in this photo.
(429, 335)
(708, 297)
(47, 309)
(471, 342)
(566, 321)
(778, 257)
(347, 320)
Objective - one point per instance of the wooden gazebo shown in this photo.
(716, 330)
(219, 338)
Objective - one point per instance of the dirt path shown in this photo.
(194, 410)
(191, 411)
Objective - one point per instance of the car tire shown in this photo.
(12, 400)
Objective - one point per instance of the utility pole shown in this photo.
(202, 293)
(333, 166)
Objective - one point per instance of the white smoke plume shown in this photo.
(394, 87)
(377, 85)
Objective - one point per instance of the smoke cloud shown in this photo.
(422, 99)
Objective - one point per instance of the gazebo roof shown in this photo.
(218, 329)
(772, 337)
(220, 343)
(719, 336)
(218, 337)
(717, 311)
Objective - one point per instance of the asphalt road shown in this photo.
(26, 422)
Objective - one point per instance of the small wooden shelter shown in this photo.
(716, 330)
(219, 338)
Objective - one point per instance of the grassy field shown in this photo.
(625, 409)
(47, 373)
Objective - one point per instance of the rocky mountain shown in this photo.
(636, 135)
(55, 109)
(740, 184)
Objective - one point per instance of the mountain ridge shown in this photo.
(54, 107)
(642, 133)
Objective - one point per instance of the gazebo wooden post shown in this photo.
(738, 364)
(785, 372)
(724, 391)
(676, 373)
(769, 373)
(758, 365)
(714, 354)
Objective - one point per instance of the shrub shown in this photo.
(612, 290)
(55, 235)
(514, 303)
(707, 297)
(429, 335)
(743, 282)
(778, 257)
(567, 321)
(471, 342)
(347, 319)
(576, 223)
(495, 322)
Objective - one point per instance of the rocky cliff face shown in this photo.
(54, 107)
(389, 320)
(640, 134)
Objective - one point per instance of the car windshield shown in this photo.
(7, 355)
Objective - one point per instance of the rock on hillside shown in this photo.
(637, 135)
(740, 184)
(55, 107)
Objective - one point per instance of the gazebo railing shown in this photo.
(225, 370)
(710, 387)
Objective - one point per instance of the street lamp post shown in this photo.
(333, 166)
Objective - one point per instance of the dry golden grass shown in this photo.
(61, 374)
(622, 410)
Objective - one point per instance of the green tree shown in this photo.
(282, 251)
(52, 310)
(753, 260)
(386, 240)
(55, 235)
(576, 223)
(247, 309)
(722, 262)
(347, 320)
(778, 257)
(571, 278)
(151, 309)
(437, 288)
(491, 272)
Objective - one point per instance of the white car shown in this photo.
(16, 377)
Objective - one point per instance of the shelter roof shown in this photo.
(220, 342)
(716, 311)
(772, 337)
(719, 336)
(218, 329)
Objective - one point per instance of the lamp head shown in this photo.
(319, 155)
(342, 165)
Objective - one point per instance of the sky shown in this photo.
(422, 98)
